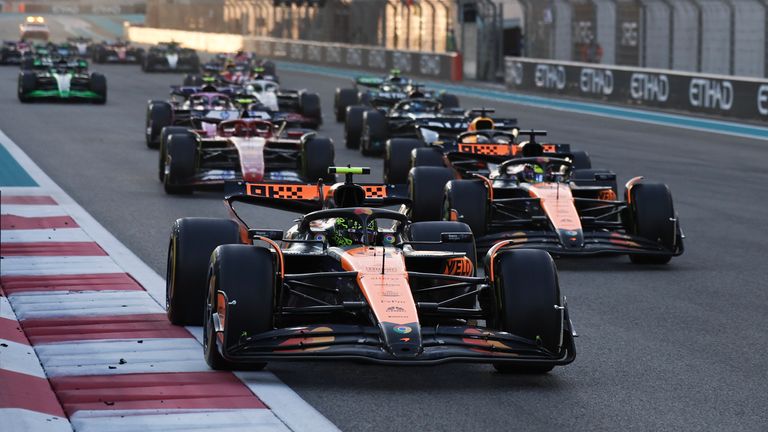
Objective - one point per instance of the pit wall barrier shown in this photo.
(445, 66)
(720, 95)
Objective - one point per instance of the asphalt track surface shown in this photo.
(675, 347)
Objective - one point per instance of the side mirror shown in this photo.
(456, 237)
(275, 235)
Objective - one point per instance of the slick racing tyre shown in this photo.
(180, 162)
(353, 126)
(309, 106)
(374, 133)
(426, 186)
(317, 154)
(99, 86)
(651, 216)
(163, 154)
(189, 253)
(397, 159)
(448, 101)
(343, 99)
(467, 201)
(245, 275)
(27, 84)
(431, 231)
(427, 156)
(527, 301)
(159, 115)
(580, 160)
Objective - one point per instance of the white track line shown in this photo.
(22, 420)
(288, 406)
(258, 420)
(44, 235)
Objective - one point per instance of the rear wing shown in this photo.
(187, 91)
(308, 197)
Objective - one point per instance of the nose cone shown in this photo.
(403, 341)
(571, 239)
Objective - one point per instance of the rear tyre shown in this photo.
(159, 115)
(581, 160)
(163, 153)
(586, 177)
(527, 293)
(192, 242)
(651, 212)
(98, 85)
(448, 101)
(353, 126)
(27, 84)
(469, 200)
(374, 131)
(317, 154)
(427, 156)
(309, 105)
(430, 231)
(343, 99)
(426, 186)
(180, 160)
(246, 275)
(397, 159)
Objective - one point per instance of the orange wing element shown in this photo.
(304, 191)
(488, 149)
(389, 294)
(557, 202)
(628, 187)
(309, 340)
(461, 266)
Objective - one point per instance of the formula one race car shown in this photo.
(382, 93)
(474, 144)
(119, 51)
(13, 52)
(542, 202)
(81, 45)
(61, 80)
(351, 281)
(187, 107)
(246, 149)
(170, 57)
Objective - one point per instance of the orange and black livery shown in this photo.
(397, 292)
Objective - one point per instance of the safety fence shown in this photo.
(75, 7)
(442, 66)
(720, 95)
(728, 37)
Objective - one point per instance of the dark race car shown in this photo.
(382, 93)
(469, 143)
(188, 107)
(246, 149)
(61, 80)
(353, 281)
(170, 57)
(120, 52)
(12, 52)
(530, 200)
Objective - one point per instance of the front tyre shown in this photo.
(189, 252)
(652, 217)
(245, 277)
(527, 302)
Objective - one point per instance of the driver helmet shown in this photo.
(532, 173)
(349, 231)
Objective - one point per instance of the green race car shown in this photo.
(61, 80)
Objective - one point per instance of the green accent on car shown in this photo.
(349, 170)
(370, 80)
(56, 93)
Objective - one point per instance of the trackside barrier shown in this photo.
(720, 95)
(425, 64)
